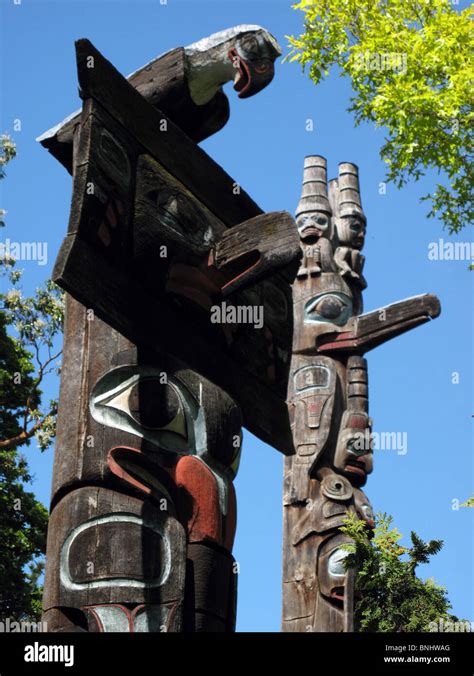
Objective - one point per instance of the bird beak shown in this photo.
(369, 330)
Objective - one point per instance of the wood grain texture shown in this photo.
(328, 400)
(161, 137)
(139, 316)
(163, 83)
(211, 596)
(90, 562)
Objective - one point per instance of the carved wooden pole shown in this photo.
(153, 392)
(328, 398)
(143, 506)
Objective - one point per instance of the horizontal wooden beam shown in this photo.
(163, 83)
(185, 160)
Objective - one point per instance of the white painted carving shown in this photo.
(65, 573)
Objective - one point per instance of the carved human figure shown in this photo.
(313, 218)
(349, 225)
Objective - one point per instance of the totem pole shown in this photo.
(328, 398)
(153, 394)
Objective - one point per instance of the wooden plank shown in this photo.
(268, 243)
(163, 83)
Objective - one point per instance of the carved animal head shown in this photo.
(253, 56)
(245, 54)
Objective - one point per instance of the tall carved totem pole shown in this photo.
(328, 398)
(153, 393)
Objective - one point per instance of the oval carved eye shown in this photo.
(333, 307)
(336, 563)
(330, 307)
(151, 404)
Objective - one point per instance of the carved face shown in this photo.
(354, 456)
(351, 231)
(311, 226)
(165, 411)
(313, 386)
(323, 305)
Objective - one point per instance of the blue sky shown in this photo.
(263, 147)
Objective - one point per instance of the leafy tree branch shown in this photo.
(411, 67)
(390, 596)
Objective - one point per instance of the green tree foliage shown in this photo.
(410, 63)
(23, 524)
(390, 595)
(28, 327)
(37, 320)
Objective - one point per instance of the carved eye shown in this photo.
(138, 400)
(250, 45)
(336, 563)
(357, 445)
(357, 226)
(329, 307)
(367, 512)
(150, 404)
(319, 221)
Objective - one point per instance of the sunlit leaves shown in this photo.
(425, 103)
